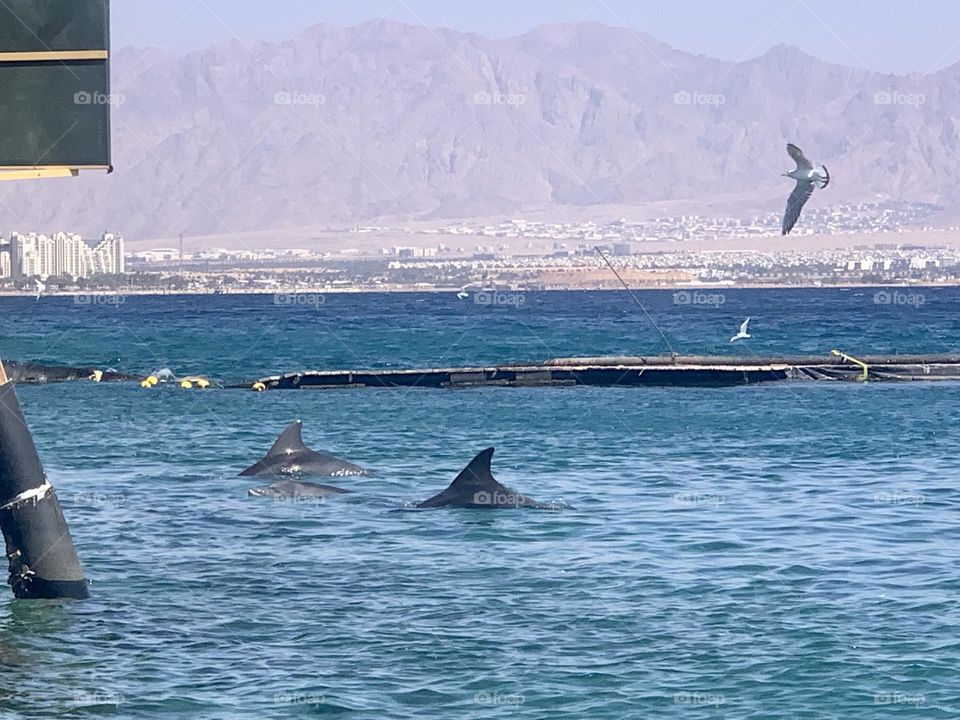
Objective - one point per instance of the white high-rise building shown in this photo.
(108, 255)
(70, 257)
(25, 255)
(6, 268)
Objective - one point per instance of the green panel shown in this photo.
(39, 25)
(54, 113)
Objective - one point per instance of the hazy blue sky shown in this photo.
(886, 35)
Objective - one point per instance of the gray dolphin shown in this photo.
(475, 487)
(294, 489)
(289, 456)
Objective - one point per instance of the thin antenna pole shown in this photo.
(637, 301)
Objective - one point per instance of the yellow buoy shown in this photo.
(190, 380)
(97, 375)
(152, 380)
(146, 384)
(259, 387)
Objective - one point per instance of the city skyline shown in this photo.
(36, 255)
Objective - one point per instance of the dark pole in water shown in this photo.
(43, 559)
(637, 301)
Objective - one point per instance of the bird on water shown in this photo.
(808, 176)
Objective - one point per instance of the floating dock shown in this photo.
(616, 371)
(654, 371)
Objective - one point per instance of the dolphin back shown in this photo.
(289, 456)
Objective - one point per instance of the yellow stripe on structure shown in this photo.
(56, 55)
(31, 173)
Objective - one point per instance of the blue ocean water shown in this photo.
(786, 550)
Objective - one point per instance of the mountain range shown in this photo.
(339, 126)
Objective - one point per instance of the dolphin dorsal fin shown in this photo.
(468, 489)
(477, 473)
(289, 441)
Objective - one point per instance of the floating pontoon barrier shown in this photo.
(632, 371)
(601, 371)
(43, 559)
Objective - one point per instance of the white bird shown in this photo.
(41, 288)
(808, 177)
(463, 294)
(742, 335)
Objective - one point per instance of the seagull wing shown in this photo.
(798, 157)
(743, 326)
(801, 193)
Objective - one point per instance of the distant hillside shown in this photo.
(384, 119)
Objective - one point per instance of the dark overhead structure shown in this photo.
(54, 87)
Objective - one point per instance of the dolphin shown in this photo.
(289, 456)
(294, 489)
(476, 488)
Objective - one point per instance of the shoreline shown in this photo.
(673, 287)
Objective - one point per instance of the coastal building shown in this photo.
(29, 255)
(64, 254)
(161, 255)
(68, 256)
(107, 255)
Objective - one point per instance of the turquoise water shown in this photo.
(787, 550)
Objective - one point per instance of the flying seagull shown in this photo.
(808, 177)
(742, 335)
(41, 288)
